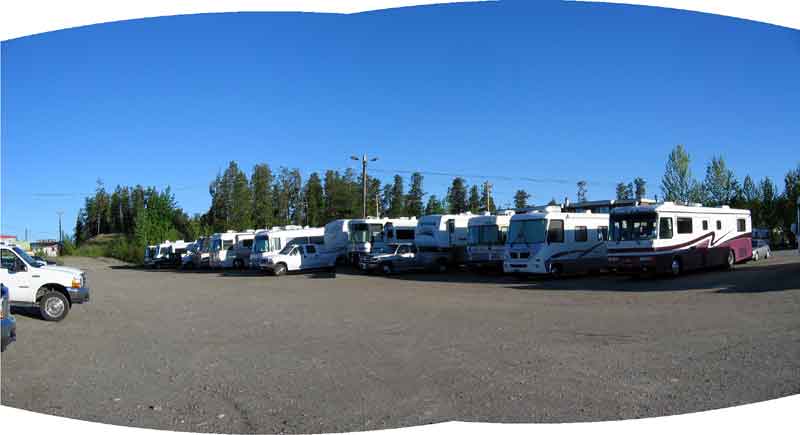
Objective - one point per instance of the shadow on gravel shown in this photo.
(30, 312)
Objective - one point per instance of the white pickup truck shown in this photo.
(51, 289)
(293, 257)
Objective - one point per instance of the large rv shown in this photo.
(221, 243)
(672, 238)
(486, 240)
(441, 239)
(270, 242)
(553, 241)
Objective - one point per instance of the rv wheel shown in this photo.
(731, 260)
(676, 266)
(555, 270)
(442, 266)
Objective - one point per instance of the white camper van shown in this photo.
(672, 238)
(486, 240)
(441, 239)
(221, 243)
(268, 243)
(554, 242)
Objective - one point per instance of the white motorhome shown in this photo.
(239, 255)
(486, 240)
(269, 242)
(442, 238)
(673, 238)
(552, 241)
(220, 244)
(399, 230)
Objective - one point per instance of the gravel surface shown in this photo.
(245, 353)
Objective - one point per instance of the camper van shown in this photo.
(160, 254)
(239, 255)
(170, 256)
(225, 248)
(268, 243)
(441, 239)
(673, 238)
(486, 241)
(553, 242)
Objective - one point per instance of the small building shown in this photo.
(50, 248)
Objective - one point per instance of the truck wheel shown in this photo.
(755, 256)
(280, 269)
(387, 268)
(556, 270)
(238, 264)
(53, 306)
(441, 266)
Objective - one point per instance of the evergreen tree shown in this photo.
(486, 200)
(241, 204)
(315, 201)
(457, 196)
(261, 186)
(640, 189)
(397, 203)
(414, 205)
(386, 198)
(434, 206)
(474, 201)
(521, 199)
(623, 191)
(720, 183)
(677, 183)
(582, 191)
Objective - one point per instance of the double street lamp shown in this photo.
(364, 161)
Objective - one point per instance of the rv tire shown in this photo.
(731, 260)
(556, 270)
(441, 266)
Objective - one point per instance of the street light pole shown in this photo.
(60, 233)
(364, 161)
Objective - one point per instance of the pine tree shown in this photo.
(397, 203)
(677, 183)
(434, 206)
(315, 201)
(486, 200)
(623, 191)
(640, 189)
(582, 191)
(261, 186)
(457, 196)
(474, 201)
(719, 183)
(414, 205)
(521, 199)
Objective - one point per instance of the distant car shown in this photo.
(761, 249)
(7, 322)
(391, 258)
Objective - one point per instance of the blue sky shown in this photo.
(527, 90)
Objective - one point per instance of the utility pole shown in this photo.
(488, 188)
(364, 161)
(60, 233)
(377, 205)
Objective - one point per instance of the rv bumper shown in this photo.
(523, 267)
(639, 264)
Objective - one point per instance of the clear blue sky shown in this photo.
(549, 90)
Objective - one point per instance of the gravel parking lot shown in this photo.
(238, 352)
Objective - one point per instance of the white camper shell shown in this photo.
(552, 241)
(486, 240)
(442, 238)
(270, 242)
(673, 238)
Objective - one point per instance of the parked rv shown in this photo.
(673, 238)
(555, 242)
(270, 242)
(363, 233)
(224, 251)
(242, 249)
(299, 257)
(170, 256)
(441, 240)
(398, 230)
(486, 241)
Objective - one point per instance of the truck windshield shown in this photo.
(527, 231)
(26, 257)
(261, 244)
(216, 244)
(485, 235)
(363, 232)
(287, 249)
(639, 226)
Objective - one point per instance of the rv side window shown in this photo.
(665, 228)
(684, 225)
(555, 232)
(602, 233)
(581, 234)
(318, 240)
(405, 234)
(705, 225)
(247, 243)
(310, 249)
(719, 225)
(741, 226)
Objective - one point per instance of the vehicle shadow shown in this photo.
(30, 312)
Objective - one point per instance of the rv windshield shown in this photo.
(363, 232)
(640, 226)
(216, 244)
(261, 244)
(486, 235)
(527, 231)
